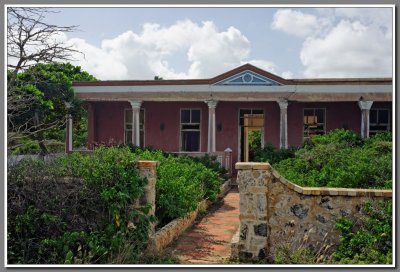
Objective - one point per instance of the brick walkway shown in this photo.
(209, 241)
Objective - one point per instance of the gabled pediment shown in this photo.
(248, 78)
(248, 75)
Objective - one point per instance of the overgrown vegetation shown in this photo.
(35, 126)
(92, 216)
(341, 159)
(52, 220)
(368, 241)
(182, 182)
(273, 155)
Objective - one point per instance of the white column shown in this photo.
(136, 104)
(212, 104)
(68, 130)
(283, 105)
(365, 106)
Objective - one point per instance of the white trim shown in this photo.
(206, 88)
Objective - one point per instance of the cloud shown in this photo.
(143, 55)
(350, 49)
(348, 42)
(287, 75)
(294, 22)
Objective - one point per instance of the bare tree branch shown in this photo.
(30, 40)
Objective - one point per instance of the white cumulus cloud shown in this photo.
(345, 42)
(143, 55)
(294, 22)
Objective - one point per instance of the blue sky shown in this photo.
(138, 43)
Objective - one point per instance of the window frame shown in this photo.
(388, 124)
(140, 129)
(324, 124)
(180, 129)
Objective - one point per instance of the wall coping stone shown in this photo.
(314, 190)
(252, 166)
(332, 191)
(146, 164)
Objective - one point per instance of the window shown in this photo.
(379, 120)
(190, 130)
(128, 126)
(313, 122)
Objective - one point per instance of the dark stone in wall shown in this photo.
(261, 230)
(344, 213)
(243, 232)
(325, 203)
(245, 255)
(290, 224)
(299, 210)
(262, 254)
(321, 219)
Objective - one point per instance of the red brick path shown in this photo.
(209, 241)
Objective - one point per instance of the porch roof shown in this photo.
(245, 83)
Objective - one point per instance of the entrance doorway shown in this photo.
(251, 128)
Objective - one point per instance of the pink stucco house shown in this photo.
(196, 116)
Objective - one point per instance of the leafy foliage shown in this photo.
(181, 184)
(272, 155)
(341, 159)
(368, 241)
(51, 86)
(53, 220)
(92, 217)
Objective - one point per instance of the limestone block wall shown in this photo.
(274, 211)
(148, 170)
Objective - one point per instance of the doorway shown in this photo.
(251, 133)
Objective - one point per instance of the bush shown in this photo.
(341, 159)
(93, 220)
(181, 184)
(368, 241)
(272, 155)
(52, 220)
(211, 162)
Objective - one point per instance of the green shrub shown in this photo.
(341, 159)
(182, 182)
(52, 220)
(178, 191)
(272, 155)
(368, 241)
(94, 221)
(211, 163)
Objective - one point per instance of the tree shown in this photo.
(30, 40)
(158, 78)
(52, 86)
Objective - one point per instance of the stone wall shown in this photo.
(274, 211)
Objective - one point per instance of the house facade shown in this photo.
(231, 111)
